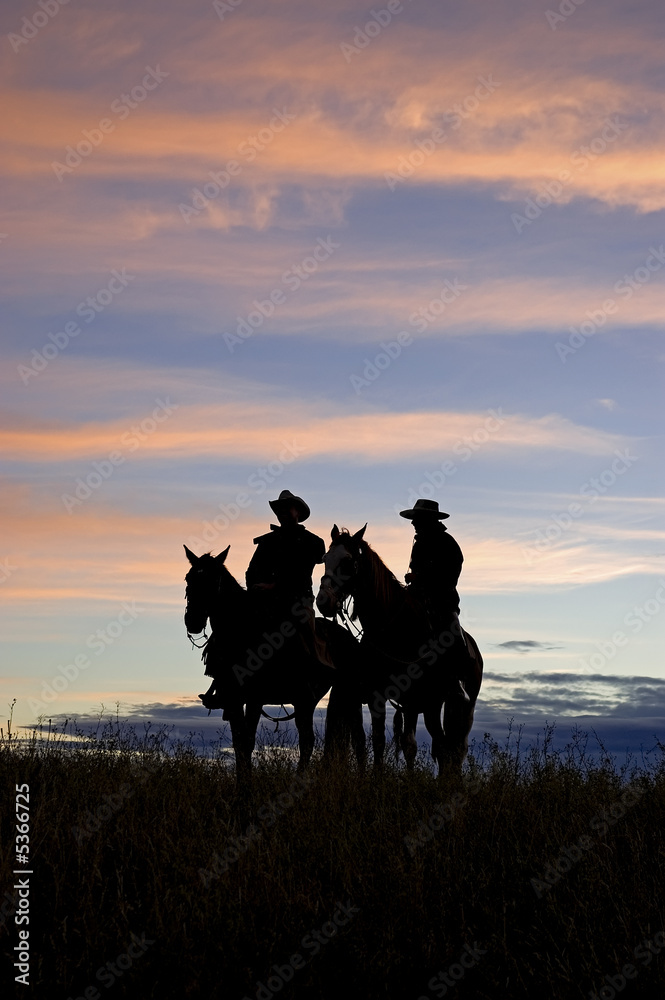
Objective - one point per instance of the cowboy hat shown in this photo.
(287, 499)
(429, 507)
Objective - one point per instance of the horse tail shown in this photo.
(475, 664)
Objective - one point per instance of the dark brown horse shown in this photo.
(404, 659)
(252, 665)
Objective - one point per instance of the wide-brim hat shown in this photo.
(429, 507)
(287, 499)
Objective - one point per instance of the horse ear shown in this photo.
(221, 558)
(190, 555)
(358, 537)
(334, 534)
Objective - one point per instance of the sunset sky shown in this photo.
(362, 253)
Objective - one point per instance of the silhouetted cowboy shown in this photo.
(435, 567)
(436, 559)
(279, 575)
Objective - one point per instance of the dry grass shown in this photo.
(129, 834)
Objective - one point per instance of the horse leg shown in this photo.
(409, 744)
(344, 722)
(236, 718)
(460, 705)
(304, 713)
(398, 731)
(432, 719)
(358, 736)
(457, 722)
(337, 724)
(378, 713)
(252, 717)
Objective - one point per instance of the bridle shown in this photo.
(340, 579)
(341, 610)
(202, 635)
(204, 638)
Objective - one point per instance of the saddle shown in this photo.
(292, 618)
(271, 627)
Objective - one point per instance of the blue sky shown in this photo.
(541, 210)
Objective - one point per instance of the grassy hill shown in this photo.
(539, 874)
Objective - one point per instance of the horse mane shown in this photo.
(383, 581)
(209, 558)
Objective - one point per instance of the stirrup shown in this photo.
(211, 701)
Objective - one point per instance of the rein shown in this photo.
(345, 618)
(204, 636)
(358, 633)
(282, 718)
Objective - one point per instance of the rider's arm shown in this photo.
(260, 572)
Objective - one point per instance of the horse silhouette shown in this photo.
(255, 664)
(403, 659)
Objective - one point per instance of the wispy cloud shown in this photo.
(253, 431)
(532, 123)
(570, 694)
(525, 645)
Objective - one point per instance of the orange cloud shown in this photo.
(520, 135)
(258, 433)
(106, 556)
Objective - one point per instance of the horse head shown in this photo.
(203, 586)
(341, 570)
